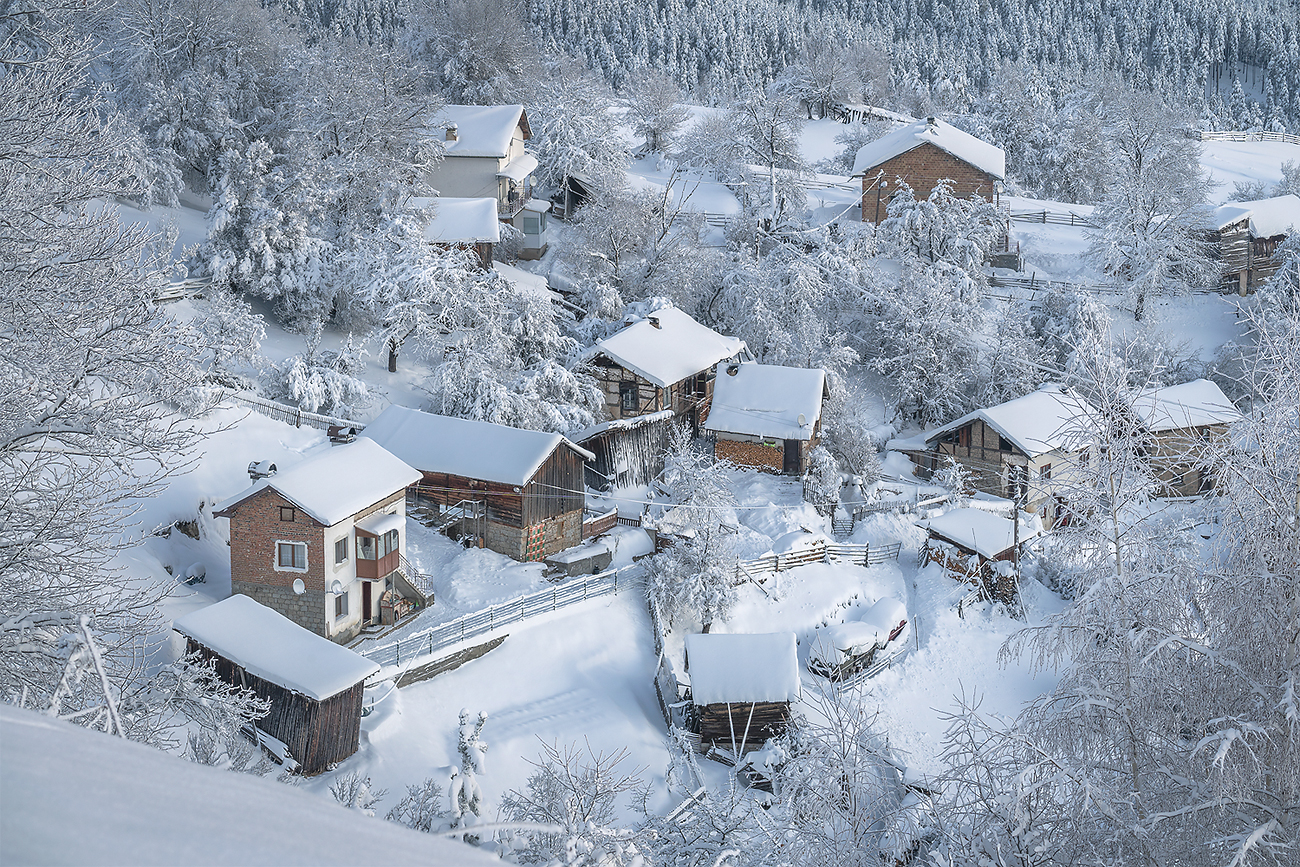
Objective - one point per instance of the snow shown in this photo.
(526, 281)
(1230, 163)
(481, 130)
(855, 637)
(799, 540)
(1053, 417)
(1268, 217)
(519, 169)
(742, 668)
(665, 354)
(623, 424)
(766, 400)
(268, 644)
(982, 531)
(884, 617)
(964, 146)
(473, 449)
(1177, 407)
(75, 796)
(336, 483)
(458, 221)
(381, 524)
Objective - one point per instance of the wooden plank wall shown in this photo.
(770, 719)
(556, 488)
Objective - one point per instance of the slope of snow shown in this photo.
(73, 796)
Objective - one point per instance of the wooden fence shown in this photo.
(428, 642)
(1067, 218)
(1228, 135)
(860, 555)
(594, 525)
(291, 414)
(190, 287)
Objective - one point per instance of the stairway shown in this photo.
(842, 524)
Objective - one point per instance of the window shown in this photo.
(1045, 472)
(1004, 444)
(287, 514)
(341, 550)
(627, 396)
(963, 437)
(340, 605)
(366, 548)
(291, 555)
(388, 543)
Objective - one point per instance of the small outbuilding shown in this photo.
(766, 416)
(741, 687)
(921, 154)
(314, 686)
(845, 649)
(1244, 236)
(465, 224)
(520, 491)
(974, 544)
(1180, 424)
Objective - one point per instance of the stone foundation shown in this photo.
(306, 609)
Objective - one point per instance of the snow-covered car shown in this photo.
(845, 649)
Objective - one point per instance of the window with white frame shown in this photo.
(341, 550)
(340, 605)
(291, 555)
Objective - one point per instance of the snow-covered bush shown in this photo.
(355, 792)
(322, 380)
(821, 484)
(464, 793)
(422, 808)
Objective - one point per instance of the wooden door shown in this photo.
(365, 602)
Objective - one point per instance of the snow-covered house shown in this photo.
(519, 491)
(1029, 449)
(322, 541)
(485, 157)
(469, 224)
(921, 154)
(977, 545)
(1244, 236)
(766, 416)
(1178, 423)
(741, 687)
(314, 686)
(663, 361)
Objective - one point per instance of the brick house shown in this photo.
(322, 541)
(921, 154)
(485, 158)
(664, 361)
(765, 416)
(520, 491)
(1178, 424)
(1030, 449)
(1244, 235)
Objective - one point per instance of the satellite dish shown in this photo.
(803, 422)
(336, 587)
(299, 587)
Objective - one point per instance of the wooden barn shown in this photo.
(1178, 422)
(765, 416)
(1244, 236)
(921, 154)
(314, 686)
(741, 687)
(1031, 449)
(972, 543)
(660, 362)
(628, 451)
(519, 491)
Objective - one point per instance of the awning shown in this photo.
(378, 525)
(520, 168)
(541, 206)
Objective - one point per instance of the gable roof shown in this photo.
(1268, 217)
(266, 643)
(1053, 417)
(1177, 407)
(982, 531)
(453, 220)
(667, 352)
(481, 130)
(766, 400)
(748, 668)
(986, 157)
(474, 449)
(335, 483)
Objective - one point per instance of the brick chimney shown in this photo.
(932, 122)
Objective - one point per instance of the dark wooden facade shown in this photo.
(632, 455)
(318, 733)
(765, 719)
(688, 398)
(1246, 262)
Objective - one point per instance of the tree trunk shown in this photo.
(392, 358)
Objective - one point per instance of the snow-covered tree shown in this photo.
(655, 108)
(234, 336)
(825, 73)
(478, 51)
(943, 228)
(575, 134)
(422, 808)
(821, 484)
(356, 793)
(465, 794)
(322, 380)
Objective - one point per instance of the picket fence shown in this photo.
(428, 642)
(291, 414)
(860, 555)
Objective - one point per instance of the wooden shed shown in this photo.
(1181, 425)
(1244, 236)
(741, 687)
(520, 491)
(628, 451)
(314, 686)
(972, 543)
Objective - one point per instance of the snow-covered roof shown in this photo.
(766, 400)
(742, 668)
(980, 531)
(268, 644)
(860, 636)
(526, 281)
(669, 351)
(1268, 217)
(519, 169)
(481, 130)
(964, 146)
(335, 483)
(381, 524)
(1192, 404)
(1053, 417)
(72, 795)
(474, 449)
(458, 221)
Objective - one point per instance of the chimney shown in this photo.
(258, 470)
(453, 132)
(654, 321)
(932, 122)
(733, 369)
